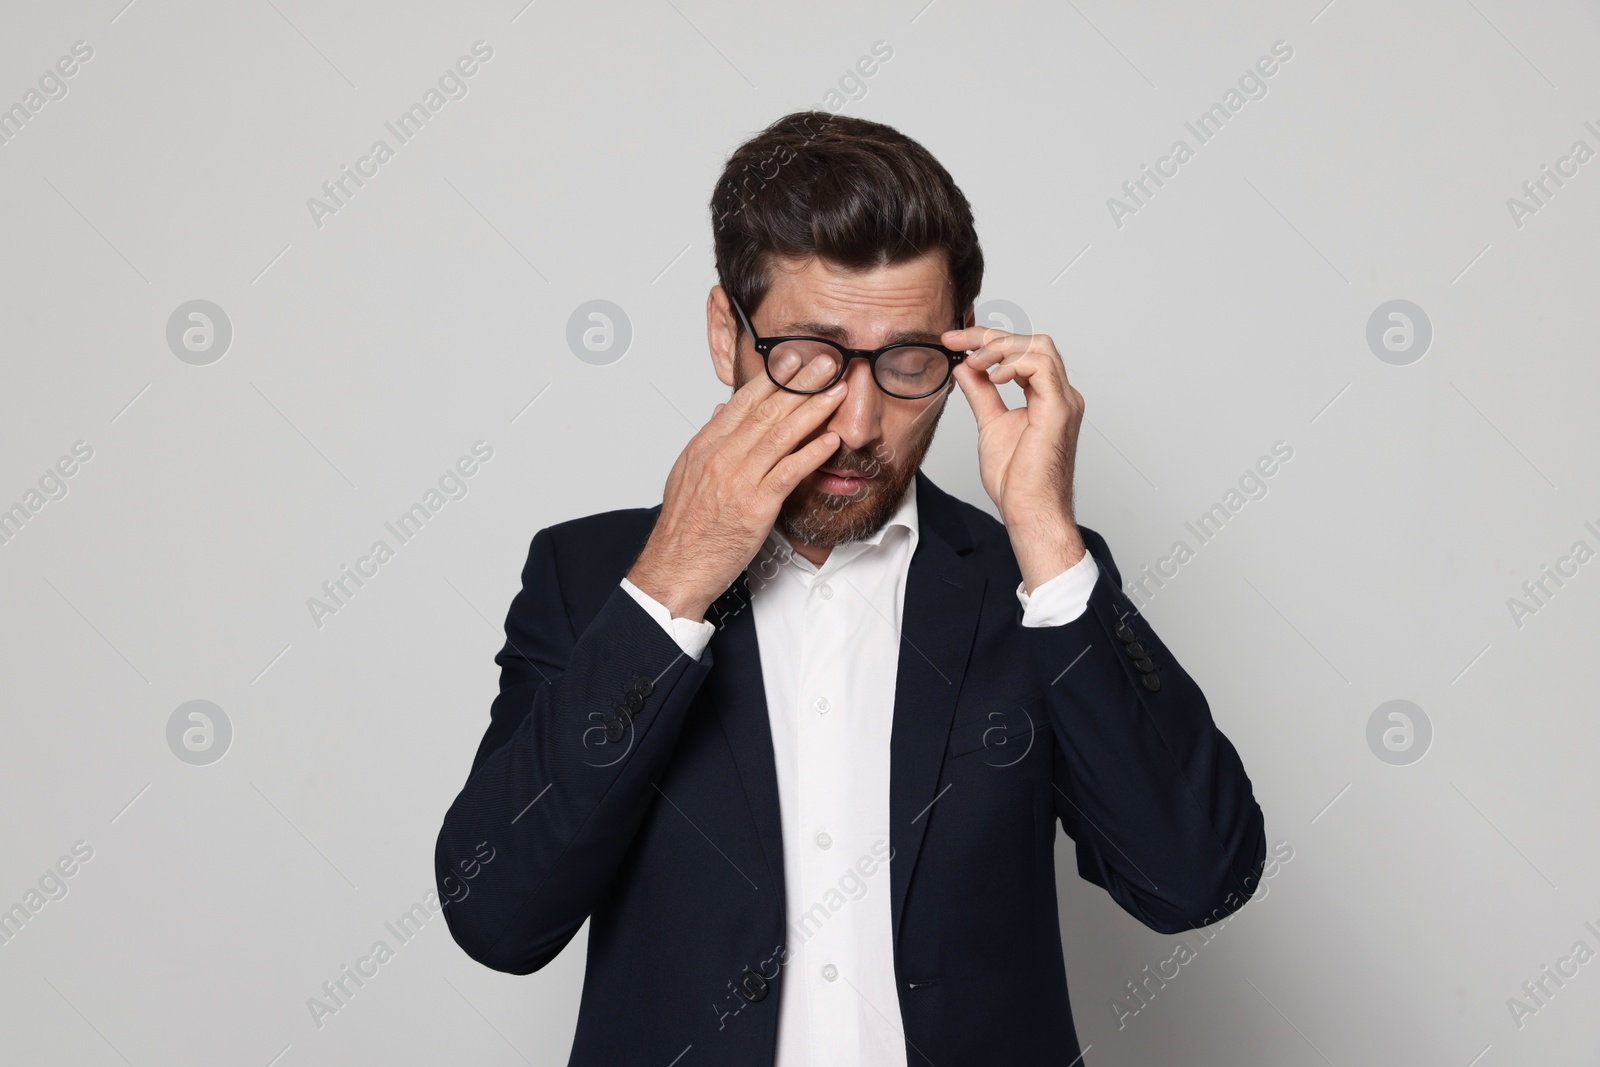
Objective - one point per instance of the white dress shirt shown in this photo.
(830, 646)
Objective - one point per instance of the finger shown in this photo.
(1010, 346)
(746, 405)
(1002, 367)
(785, 435)
(776, 404)
(746, 401)
(1037, 364)
(1048, 400)
(1042, 394)
(973, 337)
(983, 396)
(788, 472)
(738, 407)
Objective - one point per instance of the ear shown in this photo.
(721, 327)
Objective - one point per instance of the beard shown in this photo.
(810, 516)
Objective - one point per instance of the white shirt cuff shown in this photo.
(691, 636)
(1061, 599)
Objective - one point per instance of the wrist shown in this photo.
(1045, 548)
(680, 600)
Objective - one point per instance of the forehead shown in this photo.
(864, 304)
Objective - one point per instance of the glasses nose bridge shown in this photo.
(850, 354)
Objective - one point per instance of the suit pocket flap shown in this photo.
(1005, 729)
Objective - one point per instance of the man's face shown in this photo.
(882, 439)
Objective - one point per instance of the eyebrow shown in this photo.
(839, 334)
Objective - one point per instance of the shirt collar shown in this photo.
(905, 515)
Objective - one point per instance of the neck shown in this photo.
(816, 555)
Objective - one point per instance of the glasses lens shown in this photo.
(911, 371)
(789, 359)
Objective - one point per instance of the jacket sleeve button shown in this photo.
(752, 986)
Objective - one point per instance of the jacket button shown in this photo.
(1145, 666)
(614, 730)
(632, 701)
(752, 986)
(1134, 650)
(1151, 682)
(1124, 632)
(643, 685)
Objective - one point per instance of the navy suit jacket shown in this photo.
(622, 782)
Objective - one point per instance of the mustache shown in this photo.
(858, 461)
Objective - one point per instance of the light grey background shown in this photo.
(431, 312)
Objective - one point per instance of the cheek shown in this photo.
(899, 436)
(906, 432)
(922, 419)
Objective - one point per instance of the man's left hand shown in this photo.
(1025, 454)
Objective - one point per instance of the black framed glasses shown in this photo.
(909, 370)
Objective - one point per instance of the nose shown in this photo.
(858, 418)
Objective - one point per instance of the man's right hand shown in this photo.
(728, 485)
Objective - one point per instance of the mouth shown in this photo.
(838, 482)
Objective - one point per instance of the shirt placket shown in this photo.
(824, 763)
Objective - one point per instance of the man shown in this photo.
(795, 740)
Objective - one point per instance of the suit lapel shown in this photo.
(739, 694)
(944, 594)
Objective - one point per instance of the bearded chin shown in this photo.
(831, 519)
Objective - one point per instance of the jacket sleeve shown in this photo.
(554, 800)
(1153, 795)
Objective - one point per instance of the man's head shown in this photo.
(840, 228)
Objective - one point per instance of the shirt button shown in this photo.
(822, 704)
(825, 591)
(829, 971)
(824, 841)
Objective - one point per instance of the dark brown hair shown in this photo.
(854, 193)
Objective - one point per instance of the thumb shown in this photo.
(982, 394)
